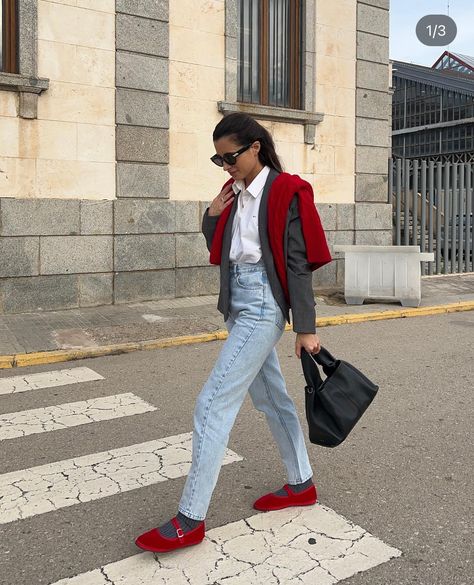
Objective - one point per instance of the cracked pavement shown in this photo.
(16, 384)
(53, 418)
(402, 479)
(57, 485)
(291, 547)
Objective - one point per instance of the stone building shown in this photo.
(106, 113)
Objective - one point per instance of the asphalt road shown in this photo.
(404, 474)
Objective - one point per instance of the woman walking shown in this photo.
(264, 232)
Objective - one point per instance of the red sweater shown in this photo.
(282, 191)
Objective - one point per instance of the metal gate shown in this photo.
(432, 208)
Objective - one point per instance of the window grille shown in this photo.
(270, 52)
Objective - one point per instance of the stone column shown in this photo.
(373, 211)
(144, 218)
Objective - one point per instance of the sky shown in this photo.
(404, 15)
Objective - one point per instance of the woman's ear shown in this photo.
(256, 146)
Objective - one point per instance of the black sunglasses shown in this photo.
(229, 157)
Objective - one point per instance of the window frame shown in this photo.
(9, 36)
(295, 50)
(306, 115)
(25, 80)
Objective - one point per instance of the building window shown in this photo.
(269, 44)
(8, 36)
(18, 54)
(270, 41)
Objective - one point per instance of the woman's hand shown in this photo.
(223, 200)
(310, 341)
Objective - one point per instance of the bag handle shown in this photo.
(310, 372)
(323, 358)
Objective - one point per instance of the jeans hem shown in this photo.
(300, 480)
(190, 515)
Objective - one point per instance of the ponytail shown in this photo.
(246, 130)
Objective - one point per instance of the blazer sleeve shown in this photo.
(300, 276)
(209, 223)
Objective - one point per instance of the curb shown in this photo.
(56, 356)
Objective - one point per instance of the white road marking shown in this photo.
(56, 485)
(293, 546)
(72, 414)
(51, 379)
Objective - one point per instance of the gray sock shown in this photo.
(296, 487)
(187, 524)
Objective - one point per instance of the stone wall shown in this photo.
(61, 254)
(144, 224)
(142, 116)
(335, 79)
(203, 55)
(369, 219)
(57, 254)
(78, 246)
(197, 75)
(373, 214)
(68, 149)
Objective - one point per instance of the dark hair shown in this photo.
(246, 130)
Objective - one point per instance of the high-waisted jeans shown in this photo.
(247, 362)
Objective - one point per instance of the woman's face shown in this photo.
(247, 165)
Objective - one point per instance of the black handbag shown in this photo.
(333, 406)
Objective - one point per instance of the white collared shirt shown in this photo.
(245, 245)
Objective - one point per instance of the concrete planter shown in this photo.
(385, 272)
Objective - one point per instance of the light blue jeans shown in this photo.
(247, 362)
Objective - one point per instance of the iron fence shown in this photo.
(432, 208)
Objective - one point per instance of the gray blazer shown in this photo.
(300, 283)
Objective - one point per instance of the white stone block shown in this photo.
(385, 272)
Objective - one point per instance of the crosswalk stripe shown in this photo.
(72, 414)
(15, 384)
(65, 483)
(292, 546)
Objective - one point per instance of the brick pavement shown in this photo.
(112, 324)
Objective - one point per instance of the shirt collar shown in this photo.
(255, 186)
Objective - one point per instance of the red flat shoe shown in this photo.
(268, 502)
(154, 541)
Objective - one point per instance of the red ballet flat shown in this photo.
(268, 502)
(154, 541)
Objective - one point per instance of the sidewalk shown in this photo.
(75, 333)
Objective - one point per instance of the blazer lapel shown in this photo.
(263, 211)
(227, 237)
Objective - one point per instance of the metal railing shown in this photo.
(432, 208)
